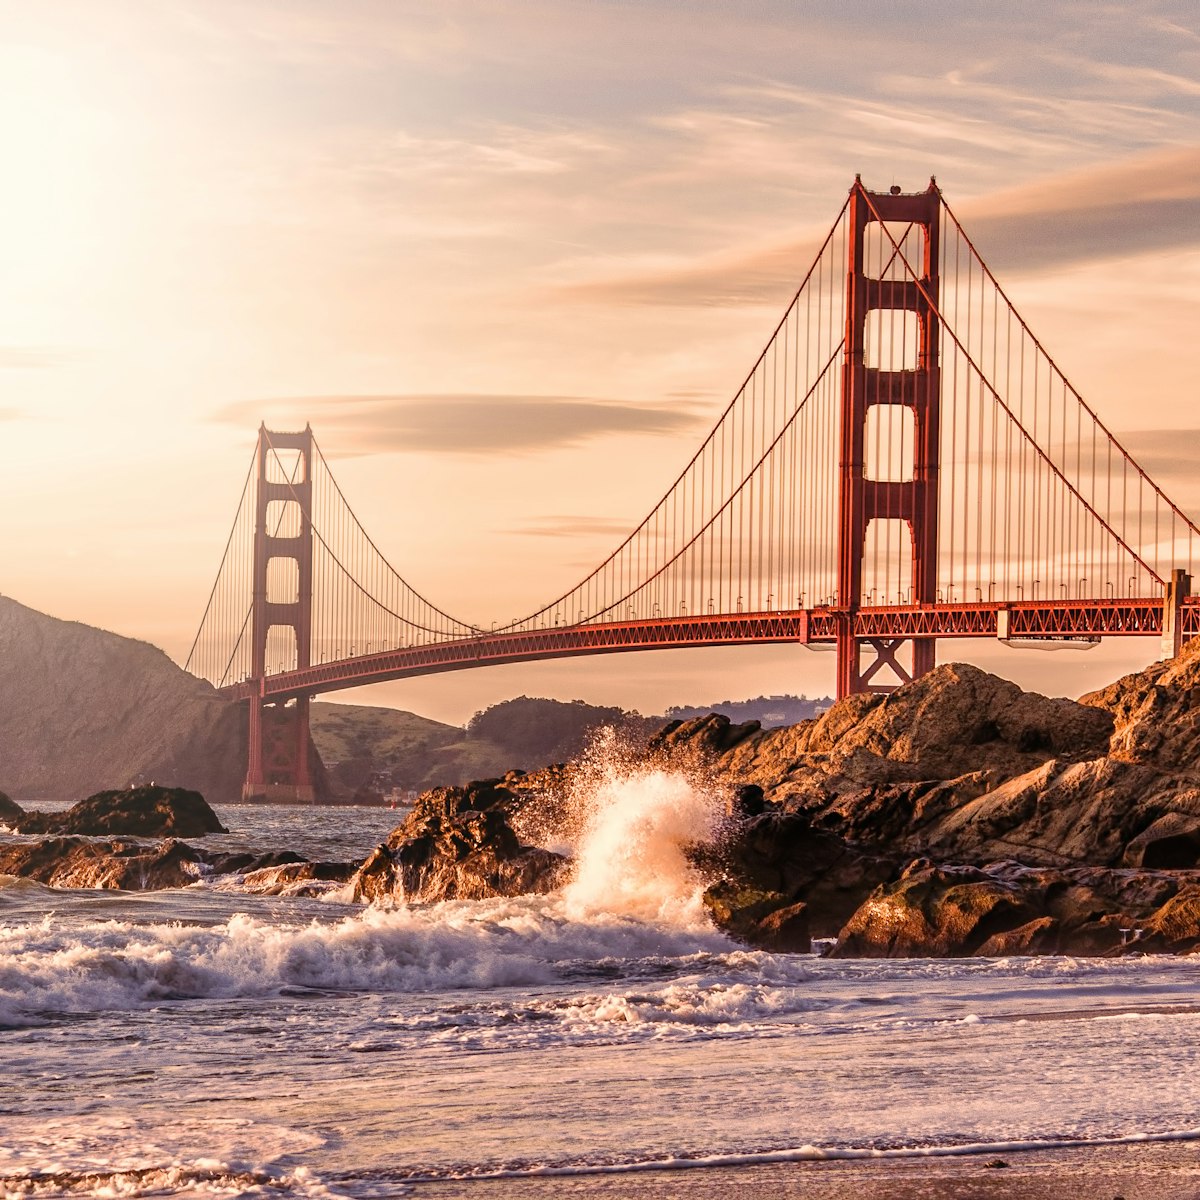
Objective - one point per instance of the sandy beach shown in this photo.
(1151, 1171)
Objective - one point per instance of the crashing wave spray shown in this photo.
(630, 854)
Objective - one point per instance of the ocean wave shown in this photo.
(51, 967)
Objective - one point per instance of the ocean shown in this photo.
(209, 1041)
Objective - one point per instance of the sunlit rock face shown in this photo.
(1007, 908)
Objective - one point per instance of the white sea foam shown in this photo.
(127, 1156)
(630, 858)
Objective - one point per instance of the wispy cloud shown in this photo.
(573, 526)
(1145, 203)
(1164, 454)
(463, 424)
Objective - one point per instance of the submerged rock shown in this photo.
(147, 811)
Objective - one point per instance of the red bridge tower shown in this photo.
(862, 499)
(281, 757)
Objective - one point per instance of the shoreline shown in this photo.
(1150, 1170)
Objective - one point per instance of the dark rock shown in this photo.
(147, 811)
(747, 801)
(296, 878)
(79, 862)
(1175, 927)
(703, 736)
(11, 813)
(459, 843)
(1007, 909)
(776, 860)
(1172, 842)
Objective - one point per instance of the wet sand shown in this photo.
(1153, 1171)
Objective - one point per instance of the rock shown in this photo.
(1171, 841)
(297, 878)
(79, 862)
(747, 801)
(1007, 908)
(965, 767)
(459, 843)
(943, 912)
(701, 736)
(776, 860)
(765, 920)
(11, 813)
(1156, 714)
(1174, 928)
(147, 811)
(784, 931)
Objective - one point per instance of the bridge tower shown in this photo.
(281, 755)
(861, 499)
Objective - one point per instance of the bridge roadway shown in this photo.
(1027, 620)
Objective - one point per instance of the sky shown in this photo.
(512, 258)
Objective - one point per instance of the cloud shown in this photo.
(575, 526)
(1149, 202)
(463, 424)
(1144, 203)
(1164, 454)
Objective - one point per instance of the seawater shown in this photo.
(212, 1042)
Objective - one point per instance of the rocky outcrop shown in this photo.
(459, 843)
(149, 811)
(1006, 908)
(79, 862)
(965, 767)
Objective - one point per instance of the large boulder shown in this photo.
(148, 811)
(954, 721)
(459, 843)
(1156, 714)
(933, 912)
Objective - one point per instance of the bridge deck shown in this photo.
(1046, 619)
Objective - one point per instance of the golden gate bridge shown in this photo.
(904, 462)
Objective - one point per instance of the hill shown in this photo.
(83, 710)
(372, 750)
(770, 712)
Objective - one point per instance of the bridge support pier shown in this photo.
(913, 385)
(281, 754)
(1178, 588)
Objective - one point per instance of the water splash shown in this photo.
(637, 821)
